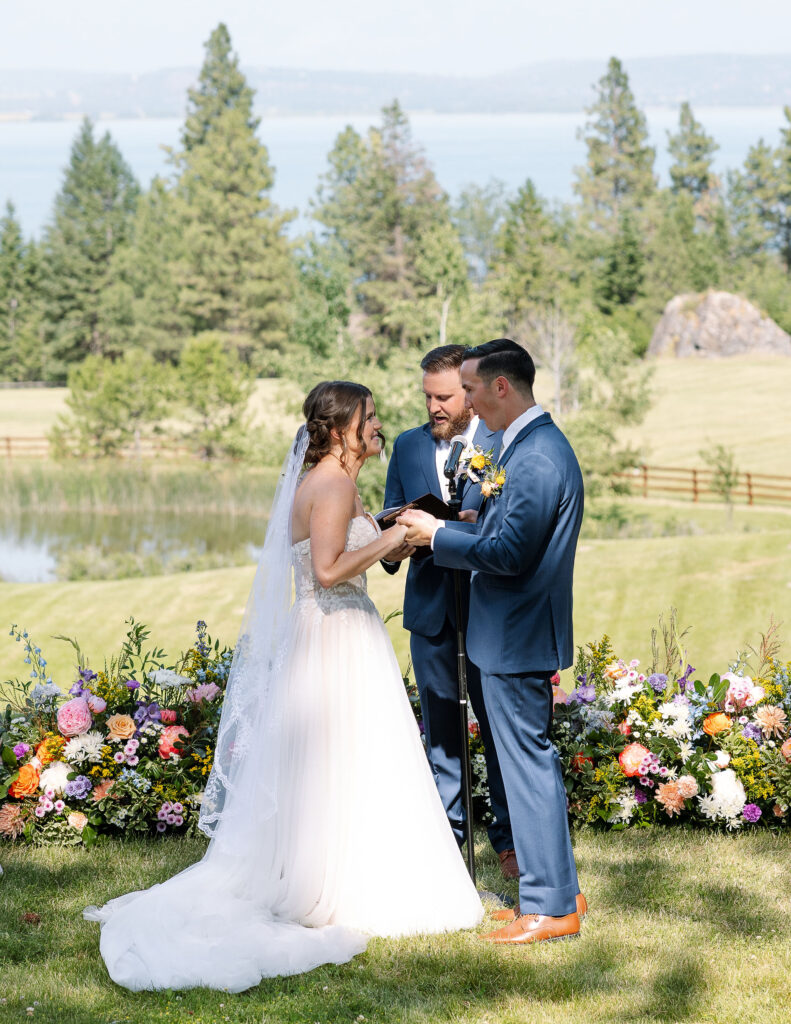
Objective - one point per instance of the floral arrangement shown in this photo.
(661, 746)
(126, 750)
(480, 467)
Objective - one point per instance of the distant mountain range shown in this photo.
(551, 86)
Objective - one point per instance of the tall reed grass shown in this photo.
(114, 486)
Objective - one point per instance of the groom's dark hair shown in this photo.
(504, 358)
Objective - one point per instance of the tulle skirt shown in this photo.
(359, 844)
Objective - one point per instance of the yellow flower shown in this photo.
(478, 461)
(500, 479)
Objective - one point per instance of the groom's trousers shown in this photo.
(520, 715)
(435, 662)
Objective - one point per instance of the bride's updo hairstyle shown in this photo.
(330, 406)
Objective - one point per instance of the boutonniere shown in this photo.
(480, 467)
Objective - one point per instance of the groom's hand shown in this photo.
(420, 527)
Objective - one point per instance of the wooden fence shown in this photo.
(752, 488)
(39, 448)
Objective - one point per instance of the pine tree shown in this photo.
(234, 269)
(620, 277)
(754, 197)
(92, 218)
(12, 290)
(380, 200)
(619, 173)
(692, 150)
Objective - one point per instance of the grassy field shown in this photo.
(725, 585)
(31, 412)
(740, 402)
(684, 928)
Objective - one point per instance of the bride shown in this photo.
(326, 826)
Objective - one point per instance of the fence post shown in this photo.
(694, 485)
(749, 488)
(645, 480)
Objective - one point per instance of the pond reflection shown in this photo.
(43, 546)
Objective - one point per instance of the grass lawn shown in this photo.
(725, 586)
(683, 927)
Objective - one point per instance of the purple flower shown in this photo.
(640, 795)
(683, 680)
(658, 682)
(147, 713)
(584, 694)
(161, 826)
(751, 812)
(78, 690)
(751, 731)
(132, 684)
(79, 788)
(20, 750)
(583, 678)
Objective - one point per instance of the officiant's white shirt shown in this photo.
(509, 434)
(441, 456)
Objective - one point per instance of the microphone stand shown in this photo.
(466, 773)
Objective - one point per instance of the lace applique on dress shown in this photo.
(352, 593)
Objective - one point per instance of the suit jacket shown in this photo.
(412, 471)
(523, 549)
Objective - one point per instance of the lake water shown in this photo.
(32, 545)
(462, 148)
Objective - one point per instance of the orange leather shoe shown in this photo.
(535, 928)
(508, 864)
(509, 914)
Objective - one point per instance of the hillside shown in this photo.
(550, 86)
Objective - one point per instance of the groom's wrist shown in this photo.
(439, 526)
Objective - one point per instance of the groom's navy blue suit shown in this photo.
(520, 632)
(430, 617)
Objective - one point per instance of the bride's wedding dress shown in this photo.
(358, 844)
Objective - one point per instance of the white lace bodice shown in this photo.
(352, 593)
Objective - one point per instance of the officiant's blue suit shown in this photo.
(430, 617)
(521, 552)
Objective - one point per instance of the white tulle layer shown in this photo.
(359, 845)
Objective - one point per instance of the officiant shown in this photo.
(416, 468)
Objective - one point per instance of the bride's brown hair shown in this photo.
(330, 406)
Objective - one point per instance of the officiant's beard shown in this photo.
(450, 428)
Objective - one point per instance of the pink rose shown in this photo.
(96, 704)
(74, 717)
(167, 716)
(785, 750)
(207, 691)
(559, 696)
(168, 737)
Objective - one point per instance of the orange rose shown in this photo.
(26, 784)
(716, 723)
(631, 757)
(579, 761)
(121, 727)
(785, 750)
(77, 820)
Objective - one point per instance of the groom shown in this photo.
(521, 554)
(415, 468)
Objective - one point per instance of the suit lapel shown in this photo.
(539, 421)
(428, 461)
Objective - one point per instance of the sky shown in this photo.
(463, 37)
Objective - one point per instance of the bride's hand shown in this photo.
(397, 534)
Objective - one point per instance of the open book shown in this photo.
(426, 503)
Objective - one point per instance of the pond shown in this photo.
(38, 547)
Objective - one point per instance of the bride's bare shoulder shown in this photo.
(326, 486)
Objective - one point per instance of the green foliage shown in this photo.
(620, 277)
(214, 387)
(92, 218)
(233, 269)
(612, 392)
(382, 206)
(111, 403)
(478, 214)
(619, 171)
(692, 151)
(725, 478)
(20, 320)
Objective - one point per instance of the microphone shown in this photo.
(457, 446)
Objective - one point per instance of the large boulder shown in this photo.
(716, 324)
